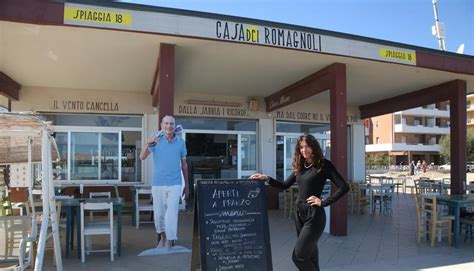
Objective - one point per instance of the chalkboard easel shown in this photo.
(230, 229)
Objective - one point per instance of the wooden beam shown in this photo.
(32, 11)
(306, 87)
(407, 101)
(9, 87)
(454, 92)
(410, 100)
(155, 87)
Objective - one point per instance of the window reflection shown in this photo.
(60, 168)
(109, 156)
(84, 156)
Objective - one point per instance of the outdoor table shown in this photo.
(455, 203)
(72, 205)
(379, 179)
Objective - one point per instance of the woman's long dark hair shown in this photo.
(316, 157)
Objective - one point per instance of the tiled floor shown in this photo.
(374, 242)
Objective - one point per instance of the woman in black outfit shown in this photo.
(310, 171)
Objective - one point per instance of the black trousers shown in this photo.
(310, 222)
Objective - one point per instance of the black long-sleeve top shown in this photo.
(311, 183)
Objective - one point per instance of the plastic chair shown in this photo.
(90, 229)
(142, 204)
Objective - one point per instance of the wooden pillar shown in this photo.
(163, 83)
(458, 129)
(166, 80)
(338, 110)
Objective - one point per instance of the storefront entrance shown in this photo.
(285, 148)
(287, 135)
(229, 151)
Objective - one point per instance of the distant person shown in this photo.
(424, 166)
(169, 162)
(412, 168)
(310, 171)
(418, 167)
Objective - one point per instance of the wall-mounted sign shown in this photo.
(268, 35)
(286, 36)
(85, 106)
(97, 16)
(211, 111)
(310, 116)
(409, 57)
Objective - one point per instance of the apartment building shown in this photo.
(470, 111)
(408, 135)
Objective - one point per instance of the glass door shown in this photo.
(285, 148)
(247, 156)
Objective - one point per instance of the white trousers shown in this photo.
(165, 209)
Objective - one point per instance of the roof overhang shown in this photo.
(97, 57)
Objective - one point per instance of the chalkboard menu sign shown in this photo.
(232, 222)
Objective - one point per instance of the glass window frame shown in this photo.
(99, 129)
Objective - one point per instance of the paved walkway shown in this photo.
(374, 242)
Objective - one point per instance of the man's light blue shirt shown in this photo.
(167, 161)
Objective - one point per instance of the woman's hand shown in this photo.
(313, 200)
(259, 176)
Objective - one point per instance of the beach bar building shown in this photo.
(105, 73)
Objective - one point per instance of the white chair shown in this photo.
(97, 195)
(142, 204)
(89, 229)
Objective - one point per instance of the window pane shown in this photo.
(290, 150)
(60, 170)
(248, 152)
(131, 163)
(84, 154)
(279, 157)
(109, 156)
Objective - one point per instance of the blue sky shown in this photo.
(404, 21)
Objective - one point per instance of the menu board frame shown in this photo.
(236, 207)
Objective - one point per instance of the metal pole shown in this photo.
(441, 43)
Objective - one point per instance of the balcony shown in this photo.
(426, 112)
(470, 121)
(401, 147)
(470, 107)
(420, 129)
